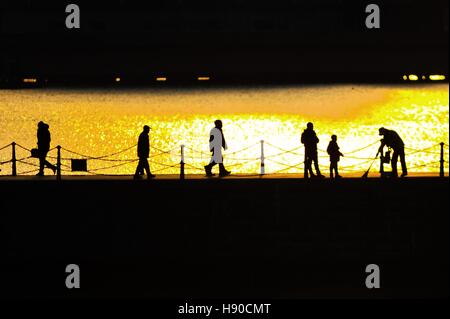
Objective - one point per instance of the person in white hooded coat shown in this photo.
(216, 143)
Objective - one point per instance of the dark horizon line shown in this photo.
(117, 80)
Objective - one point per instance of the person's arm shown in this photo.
(211, 138)
(380, 149)
(147, 145)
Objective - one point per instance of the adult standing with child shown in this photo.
(310, 140)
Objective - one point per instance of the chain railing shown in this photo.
(237, 159)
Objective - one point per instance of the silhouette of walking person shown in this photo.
(216, 143)
(143, 152)
(310, 140)
(335, 154)
(43, 143)
(392, 140)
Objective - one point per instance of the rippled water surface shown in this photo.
(101, 122)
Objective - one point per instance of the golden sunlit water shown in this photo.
(101, 122)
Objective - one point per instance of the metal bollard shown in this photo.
(13, 160)
(262, 168)
(58, 163)
(305, 168)
(381, 166)
(441, 166)
(182, 163)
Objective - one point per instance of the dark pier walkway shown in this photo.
(236, 237)
(233, 177)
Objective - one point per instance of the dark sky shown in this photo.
(228, 40)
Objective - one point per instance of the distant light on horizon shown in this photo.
(29, 80)
(118, 79)
(433, 77)
(436, 77)
(161, 79)
(203, 78)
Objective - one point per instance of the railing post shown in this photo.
(305, 168)
(182, 163)
(58, 163)
(13, 160)
(262, 169)
(441, 168)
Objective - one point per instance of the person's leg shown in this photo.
(222, 171)
(394, 163)
(336, 170)
(42, 161)
(403, 162)
(331, 169)
(41, 166)
(46, 163)
(308, 163)
(208, 168)
(307, 172)
(50, 165)
(309, 166)
(146, 166)
(138, 169)
(316, 165)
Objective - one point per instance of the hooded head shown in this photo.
(42, 125)
(334, 138)
(382, 131)
(218, 123)
(309, 126)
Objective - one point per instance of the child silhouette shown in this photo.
(335, 154)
